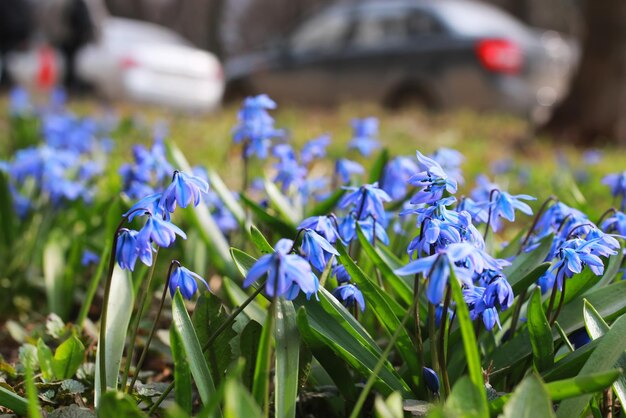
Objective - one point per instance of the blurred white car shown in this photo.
(148, 63)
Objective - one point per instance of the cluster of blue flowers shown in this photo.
(256, 127)
(64, 167)
(158, 230)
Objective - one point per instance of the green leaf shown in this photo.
(390, 408)
(603, 358)
(530, 399)
(612, 268)
(281, 227)
(238, 403)
(13, 401)
(287, 359)
(324, 323)
(399, 285)
(53, 271)
(326, 206)
(197, 363)
(34, 410)
(182, 374)
(262, 370)
(382, 305)
(68, 357)
(120, 308)
(259, 241)
(226, 196)
(208, 316)
(280, 202)
(249, 340)
(540, 333)
(44, 355)
(237, 296)
(568, 388)
(596, 328)
(465, 400)
(469, 343)
(8, 219)
(117, 404)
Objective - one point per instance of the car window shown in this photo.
(325, 32)
(380, 27)
(475, 19)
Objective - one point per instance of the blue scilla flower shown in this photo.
(345, 169)
(323, 225)
(349, 295)
(504, 206)
(482, 191)
(160, 231)
(431, 379)
(364, 133)
(341, 274)
(365, 201)
(256, 126)
(499, 292)
(185, 280)
(19, 102)
(617, 183)
(616, 222)
(574, 255)
(480, 308)
(89, 257)
(373, 229)
(450, 160)
(317, 249)
(284, 271)
(126, 252)
(478, 213)
(397, 173)
(314, 149)
(289, 171)
(150, 204)
(185, 189)
(432, 181)
(435, 234)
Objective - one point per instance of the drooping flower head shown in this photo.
(432, 181)
(256, 126)
(317, 249)
(345, 169)
(396, 176)
(365, 201)
(349, 295)
(617, 183)
(364, 135)
(185, 189)
(185, 280)
(287, 273)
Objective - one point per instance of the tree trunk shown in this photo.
(214, 35)
(595, 109)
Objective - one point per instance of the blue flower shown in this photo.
(256, 126)
(499, 291)
(183, 190)
(364, 133)
(396, 176)
(285, 272)
(89, 257)
(185, 280)
(161, 232)
(126, 251)
(348, 295)
(450, 160)
(317, 249)
(340, 272)
(150, 204)
(432, 181)
(480, 308)
(315, 148)
(365, 201)
(617, 223)
(346, 168)
(431, 379)
(617, 183)
(504, 206)
(323, 225)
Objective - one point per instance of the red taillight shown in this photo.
(500, 55)
(128, 62)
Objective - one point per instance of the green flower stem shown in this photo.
(535, 221)
(92, 289)
(432, 333)
(144, 352)
(379, 365)
(418, 329)
(443, 343)
(516, 311)
(143, 293)
(561, 301)
(231, 318)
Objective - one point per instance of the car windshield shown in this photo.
(325, 32)
(474, 19)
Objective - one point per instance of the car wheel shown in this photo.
(411, 96)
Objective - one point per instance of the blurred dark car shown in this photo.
(443, 54)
